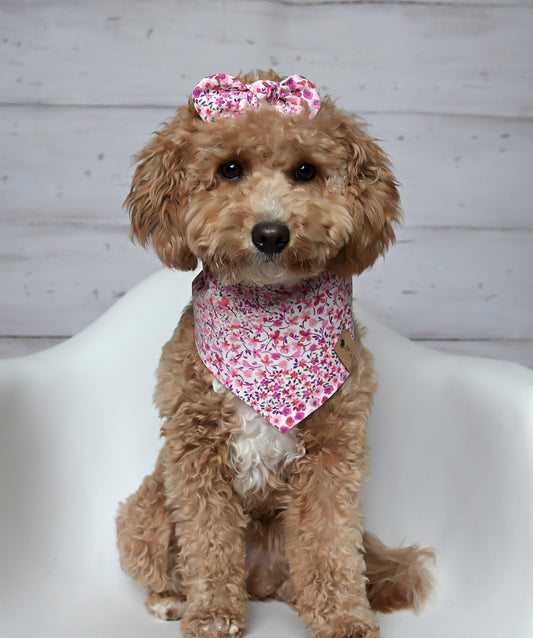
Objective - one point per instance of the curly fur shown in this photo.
(233, 511)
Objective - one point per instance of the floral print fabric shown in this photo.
(223, 95)
(273, 346)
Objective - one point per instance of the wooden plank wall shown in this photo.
(447, 86)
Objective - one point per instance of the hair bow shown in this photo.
(222, 95)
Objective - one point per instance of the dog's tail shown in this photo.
(398, 578)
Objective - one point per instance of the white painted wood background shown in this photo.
(447, 87)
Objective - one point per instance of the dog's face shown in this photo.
(264, 197)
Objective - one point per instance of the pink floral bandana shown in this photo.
(275, 346)
(222, 95)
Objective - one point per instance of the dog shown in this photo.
(265, 388)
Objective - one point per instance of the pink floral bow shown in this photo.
(222, 95)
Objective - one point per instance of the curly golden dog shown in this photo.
(239, 508)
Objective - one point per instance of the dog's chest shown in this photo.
(258, 450)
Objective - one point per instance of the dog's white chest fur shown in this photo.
(258, 449)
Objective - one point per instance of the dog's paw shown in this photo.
(166, 606)
(361, 630)
(221, 626)
(359, 625)
(358, 630)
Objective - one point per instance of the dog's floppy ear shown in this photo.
(157, 201)
(372, 196)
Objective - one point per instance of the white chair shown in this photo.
(452, 441)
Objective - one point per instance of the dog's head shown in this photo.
(265, 196)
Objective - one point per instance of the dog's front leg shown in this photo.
(210, 532)
(325, 545)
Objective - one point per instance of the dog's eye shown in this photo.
(231, 170)
(305, 172)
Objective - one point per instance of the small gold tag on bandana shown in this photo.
(345, 349)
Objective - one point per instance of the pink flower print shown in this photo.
(281, 360)
(235, 347)
(256, 353)
(253, 341)
(289, 96)
(291, 84)
(223, 302)
(297, 352)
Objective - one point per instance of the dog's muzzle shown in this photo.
(270, 238)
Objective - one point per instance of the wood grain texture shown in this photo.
(468, 58)
(58, 279)
(451, 3)
(446, 283)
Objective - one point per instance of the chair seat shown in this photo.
(452, 450)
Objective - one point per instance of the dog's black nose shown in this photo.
(270, 237)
